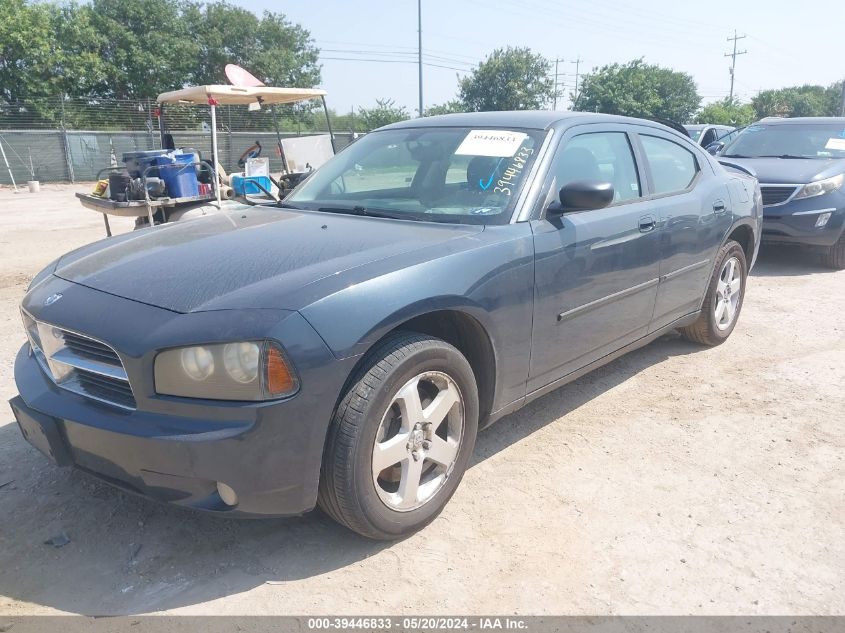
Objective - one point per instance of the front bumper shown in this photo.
(794, 221)
(176, 450)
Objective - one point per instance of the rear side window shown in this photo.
(604, 156)
(673, 168)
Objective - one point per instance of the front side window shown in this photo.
(789, 140)
(599, 156)
(673, 168)
(709, 137)
(460, 175)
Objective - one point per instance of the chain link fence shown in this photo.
(71, 141)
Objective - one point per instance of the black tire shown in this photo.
(834, 257)
(347, 489)
(706, 330)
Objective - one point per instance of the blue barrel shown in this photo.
(179, 175)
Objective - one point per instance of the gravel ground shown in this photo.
(676, 480)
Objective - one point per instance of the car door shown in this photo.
(596, 272)
(692, 206)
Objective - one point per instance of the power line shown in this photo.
(733, 60)
(412, 56)
(410, 49)
(531, 11)
(391, 61)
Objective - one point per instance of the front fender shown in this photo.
(492, 282)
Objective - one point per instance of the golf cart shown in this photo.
(166, 184)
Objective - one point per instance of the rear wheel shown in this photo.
(834, 257)
(401, 438)
(723, 301)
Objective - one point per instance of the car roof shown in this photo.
(696, 126)
(530, 119)
(802, 119)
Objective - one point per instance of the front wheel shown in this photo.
(834, 257)
(723, 301)
(401, 438)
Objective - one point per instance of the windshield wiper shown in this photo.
(785, 156)
(735, 156)
(366, 211)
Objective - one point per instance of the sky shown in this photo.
(788, 43)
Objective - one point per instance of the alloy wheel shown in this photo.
(728, 293)
(418, 441)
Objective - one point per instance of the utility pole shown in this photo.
(842, 107)
(555, 94)
(419, 50)
(733, 60)
(577, 63)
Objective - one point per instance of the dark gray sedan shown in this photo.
(343, 349)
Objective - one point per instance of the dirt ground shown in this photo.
(676, 480)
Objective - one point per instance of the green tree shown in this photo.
(385, 112)
(147, 46)
(49, 52)
(135, 49)
(224, 34)
(27, 49)
(509, 79)
(806, 100)
(276, 51)
(450, 107)
(639, 89)
(726, 112)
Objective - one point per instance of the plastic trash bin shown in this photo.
(179, 175)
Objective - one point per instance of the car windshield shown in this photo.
(789, 140)
(460, 175)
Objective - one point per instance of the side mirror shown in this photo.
(715, 147)
(583, 195)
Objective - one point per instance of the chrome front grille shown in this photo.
(79, 363)
(107, 389)
(89, 348)
(777, 194)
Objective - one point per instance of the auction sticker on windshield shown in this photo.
(498, 143)
(835, 143)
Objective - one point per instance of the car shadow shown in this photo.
(129, 555)
(776, 260)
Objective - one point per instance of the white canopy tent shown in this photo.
(240, 95)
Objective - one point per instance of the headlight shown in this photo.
(820, 187)
(248, 370)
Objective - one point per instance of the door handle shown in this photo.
(647, 223)
(719, 207)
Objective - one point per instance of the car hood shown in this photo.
(255, 257)
(790, 170)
